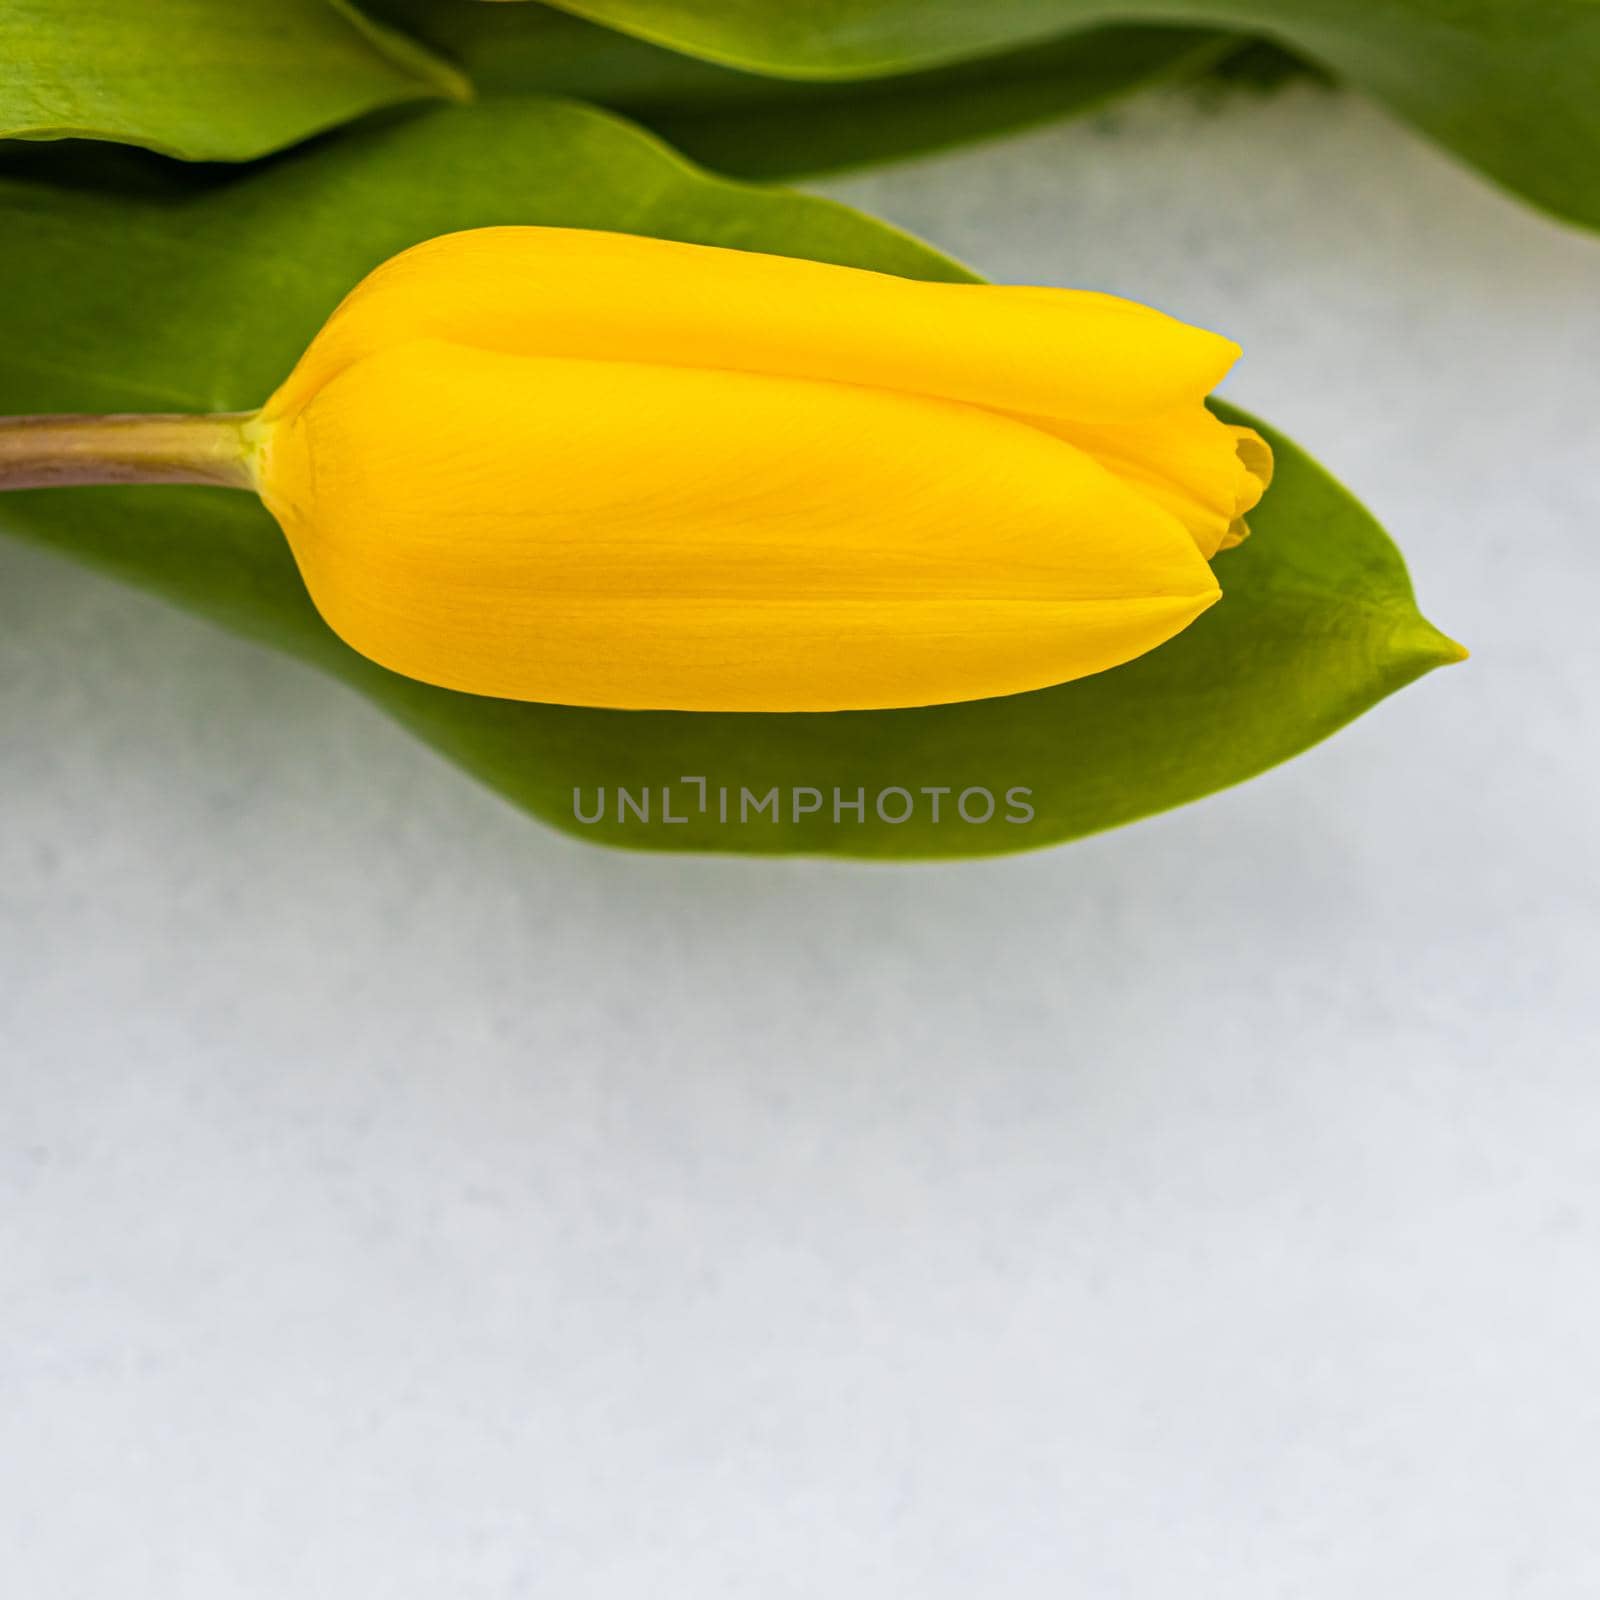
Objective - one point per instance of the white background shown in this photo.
(399, 1200)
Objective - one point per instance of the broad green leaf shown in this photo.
(812, 127)
(1513, 86)
(204, 301)
(207, 80)
(753, 125)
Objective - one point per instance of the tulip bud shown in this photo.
(603, 470)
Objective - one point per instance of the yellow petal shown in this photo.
(607, 296)
(617, 534)
(1255, 458)
(1204, 471)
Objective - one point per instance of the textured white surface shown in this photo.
(397, 1200)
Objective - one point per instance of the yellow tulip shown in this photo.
(602, 470)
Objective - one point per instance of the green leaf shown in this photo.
(207, 80)
(761, 126)
(1513, 86)
(204, 301)
(810, 128)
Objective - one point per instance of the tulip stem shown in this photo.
(60, 451)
